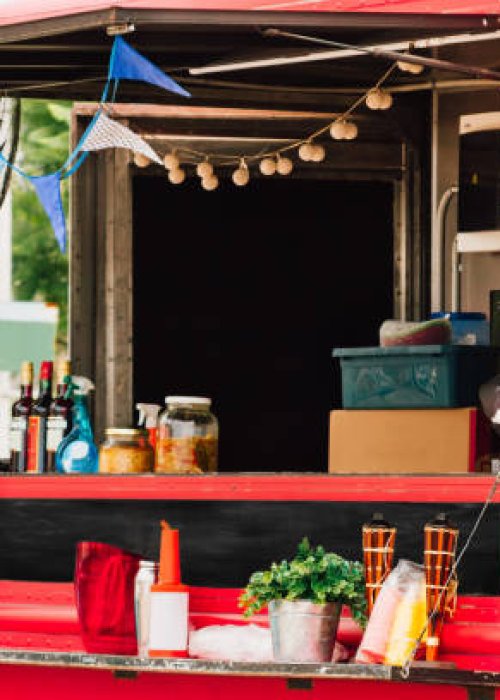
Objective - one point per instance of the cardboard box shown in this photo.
(413, 441)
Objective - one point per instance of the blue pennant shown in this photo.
(49, 193)
(127, 63)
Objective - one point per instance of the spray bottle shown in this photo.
(168, 624)
(77, 452)
(148, 417)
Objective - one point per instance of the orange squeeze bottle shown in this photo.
(168, 628)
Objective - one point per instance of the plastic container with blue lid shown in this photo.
(467, 327)
(415, 376)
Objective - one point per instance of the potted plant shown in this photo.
(305, 597)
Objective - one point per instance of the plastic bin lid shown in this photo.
(460, 315)
(414, 350)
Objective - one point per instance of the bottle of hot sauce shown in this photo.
(21, 410)
(60, 418)
(37, 423)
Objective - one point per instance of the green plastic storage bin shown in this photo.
(416, 376)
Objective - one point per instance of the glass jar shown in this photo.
(126, 451)
(188, 435)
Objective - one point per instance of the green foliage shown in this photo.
(313, 574)
(39, 269)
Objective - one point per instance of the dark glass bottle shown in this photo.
(60, 418)
(37, 423)
(21, 410)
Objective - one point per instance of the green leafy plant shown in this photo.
(313, 574)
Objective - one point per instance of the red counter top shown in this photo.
(471, 488)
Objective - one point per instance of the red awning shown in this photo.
(16, 12)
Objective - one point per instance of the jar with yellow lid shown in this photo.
(187, 438)
(126, 451)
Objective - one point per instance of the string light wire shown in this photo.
(295, 143)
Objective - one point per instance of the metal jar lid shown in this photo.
(197, 402)
(126, 432)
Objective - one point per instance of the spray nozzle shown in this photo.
(148, 414)
(82, 386)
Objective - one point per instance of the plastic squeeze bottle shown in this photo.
(148, 417)
(77, 452)
(169, 603)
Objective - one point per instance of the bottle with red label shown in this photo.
(37, 423)
(21, 410)
(59, 420)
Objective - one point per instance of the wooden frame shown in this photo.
(101, 267)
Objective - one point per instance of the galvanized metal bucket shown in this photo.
(303, 631)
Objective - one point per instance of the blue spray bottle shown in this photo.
(77, 453)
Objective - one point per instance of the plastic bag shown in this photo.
(241, 643)
(398, 617)
(104, 589)
(231, 643)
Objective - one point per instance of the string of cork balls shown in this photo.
(342, 128)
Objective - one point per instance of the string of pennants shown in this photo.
(125, 63)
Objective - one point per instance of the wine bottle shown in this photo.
(37, 423)
(59, 420)
(21, 410)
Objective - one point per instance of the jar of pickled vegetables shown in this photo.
(126, 451)
(187, 438)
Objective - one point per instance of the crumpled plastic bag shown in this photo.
(240, 643)
(231, 643)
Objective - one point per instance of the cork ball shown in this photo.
(177, 176)
(337, 130)
(204, 169)
(267, 166)
(141, 160)
(284, 166)
(350, 131)
(319, 153)
(387, 100)
(414, 68)
(210, 183)
(241, 176)
(306, 151)
(171, 162)
(378, 99)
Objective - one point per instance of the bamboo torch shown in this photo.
(378, 553)
(440, 544)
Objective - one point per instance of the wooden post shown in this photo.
(114, 331)
(101, 282)
(82, 261)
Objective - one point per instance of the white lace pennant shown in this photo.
(107, 133)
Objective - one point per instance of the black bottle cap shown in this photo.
(378, 521)
(441, 520)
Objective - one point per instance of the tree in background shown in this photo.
(39, 269)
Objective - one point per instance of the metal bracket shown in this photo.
(480, 693)
(123, 673)
(303, 684)
(119, 29)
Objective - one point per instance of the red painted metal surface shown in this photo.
(27, 608)
(61, 684)
(254, 487)
(15, 12)
(43, 616)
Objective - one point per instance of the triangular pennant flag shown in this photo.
(48, 188)
(106, 133)
(128, 63)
